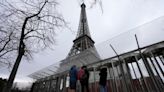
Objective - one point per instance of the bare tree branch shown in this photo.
(9, 39)
(33, 27)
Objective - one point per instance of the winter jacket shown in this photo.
(80, 73)
(73, 73)
(103, 76)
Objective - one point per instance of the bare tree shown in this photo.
(7, 46)
(30, 26)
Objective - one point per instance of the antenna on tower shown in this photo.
(80, 2)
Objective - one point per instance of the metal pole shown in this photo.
(136, 77)
(159, 81)
(94, 75)
(64, 82)
(39, 88)
(129, 77)
(58, 84)
(49, 90)
(46, 86)
(161, 60)
(55, 84)
(111, 80)
(115, 81)
(121, 68)
(143, 82)
(49, 85)
(150, 72)
(119, 78)
(158, 64)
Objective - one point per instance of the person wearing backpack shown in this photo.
(79, 76)
(84, 80)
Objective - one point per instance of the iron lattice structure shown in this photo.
(83, 39)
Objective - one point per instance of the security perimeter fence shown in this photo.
(134, 62)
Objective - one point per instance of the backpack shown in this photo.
(80, 73)
(83, 77)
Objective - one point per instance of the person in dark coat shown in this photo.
(85, 80)
(73, 78)
(103, 79)
(80, 75)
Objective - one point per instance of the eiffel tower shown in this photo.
(83, 40)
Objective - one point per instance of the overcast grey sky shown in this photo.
(118, 17)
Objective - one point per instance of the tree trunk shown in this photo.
(13, 72)
(20, 51)
(18, 60)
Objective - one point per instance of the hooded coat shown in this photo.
(103, 76)
(73, 73)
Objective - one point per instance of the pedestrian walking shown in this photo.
(103, 79)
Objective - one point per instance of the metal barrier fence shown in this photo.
(132, 66)
(140, 70)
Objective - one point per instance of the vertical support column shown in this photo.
(58, 84)
(158, 78)
(158, 64)
(55, 85)
(143, 82)
(38, 88)
(137, 79)
(94, 75)
(111, 81)
(115, 81)
(161, 60)
(50, 87)
(150, 72)
(120, 82)
(111, 78)
(122, 71)
(129, 76)
(64, 82)
(61, 84)
(86, 42)
(44, 86)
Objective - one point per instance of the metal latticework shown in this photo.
(83, 39)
